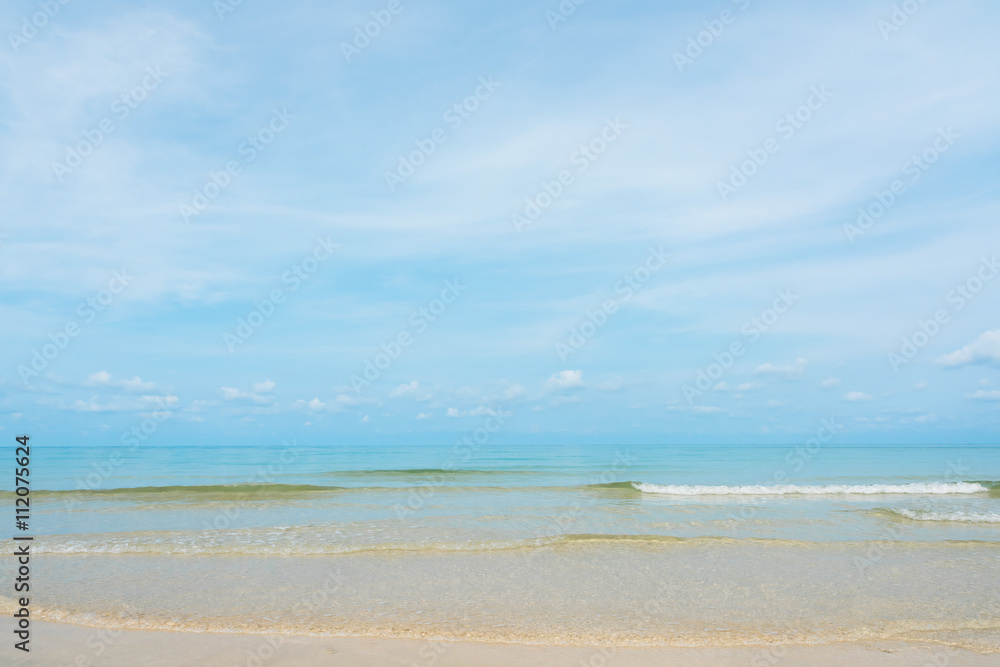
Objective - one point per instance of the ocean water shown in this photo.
(611, 544)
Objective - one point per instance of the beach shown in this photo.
(609, 555)
(65, 644)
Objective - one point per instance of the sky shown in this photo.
(390, 221)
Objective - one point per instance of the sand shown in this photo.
(56, 644)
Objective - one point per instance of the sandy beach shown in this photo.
(541, 562)
(63, 644)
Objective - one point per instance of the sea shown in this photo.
(593, 544)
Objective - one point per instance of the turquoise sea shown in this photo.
(613, 543)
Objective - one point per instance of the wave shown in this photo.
(273, 542)
(271, 491)
(265, 491)
(180, 492)
(432, 472)
(960, 516)
(919, 488)
(269, 542)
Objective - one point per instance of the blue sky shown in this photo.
(637, 224)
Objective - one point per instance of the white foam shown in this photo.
(965, 517)
(932, 488)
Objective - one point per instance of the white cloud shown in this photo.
(124, 404)
(93, 406)
(749, 386)
(512, 391)
(136, 384)
(423, 415)
(697, 409)
(565, 380)
(984, 349)
(99, 378)
(411, 390)
(855, 396)
(160, 400)
(722, 386)
(481, 411)
(614, 384)
(830, 382)
(317, 405)
(792, 372)
(104, 379)
(263, 387)
(983, 394)
(233, 394)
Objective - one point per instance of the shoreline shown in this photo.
(69, 644)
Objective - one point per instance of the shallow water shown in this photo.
(683, 545)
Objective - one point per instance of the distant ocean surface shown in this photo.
(618, 544)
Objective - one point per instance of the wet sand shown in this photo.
(63, 644)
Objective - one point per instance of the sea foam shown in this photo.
(931, 488)
(958, 515)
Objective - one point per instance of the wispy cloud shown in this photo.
(790, 371)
